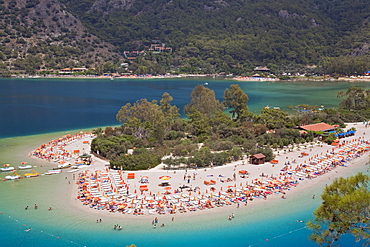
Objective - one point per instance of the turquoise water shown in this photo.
(274, 221)
(65, 225)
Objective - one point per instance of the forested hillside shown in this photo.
(42, 34)
(231, 36)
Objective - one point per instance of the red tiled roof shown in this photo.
(259, 156)
(318, 127)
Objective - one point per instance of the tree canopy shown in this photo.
(158, 129)
(203, 100)
(344, 210)
(236, 99)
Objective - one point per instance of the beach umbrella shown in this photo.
(165, 177)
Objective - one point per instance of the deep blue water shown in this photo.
(34, 106)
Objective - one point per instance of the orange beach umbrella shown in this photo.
(165, 177)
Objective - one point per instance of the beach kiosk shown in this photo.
(257, 159)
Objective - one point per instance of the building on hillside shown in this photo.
(262, 69)
(132, 55)
(71, 70)
(157, 48)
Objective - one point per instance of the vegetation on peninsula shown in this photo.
(209, 136)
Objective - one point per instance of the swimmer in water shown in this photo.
(300, 221)
(29, 229)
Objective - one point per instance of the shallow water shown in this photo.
(271, 224)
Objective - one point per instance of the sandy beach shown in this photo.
(71, 221)
(227, 177)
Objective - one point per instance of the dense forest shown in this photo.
(204, 36)
(215, 132)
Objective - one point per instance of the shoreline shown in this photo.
(204, 174)
(182, 76)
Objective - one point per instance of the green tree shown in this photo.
(357, 98)
(344, 210)
(274, 118)
(203, 100)
(236, 99)
(171, 112)
(98, 131)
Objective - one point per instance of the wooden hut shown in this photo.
(257, 159)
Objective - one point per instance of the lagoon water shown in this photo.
(34, 106)
(34, 111)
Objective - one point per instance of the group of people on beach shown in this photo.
(56, 151)
(155, 222)
(36, 207)
(117, 227)
(108, 190)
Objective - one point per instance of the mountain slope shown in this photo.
(206, 36)
(46, 33)
(253, 30)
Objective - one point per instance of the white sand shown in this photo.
(255, 171)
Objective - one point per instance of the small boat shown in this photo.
(7, 169)
(24, 167)
(206, 83)
(74, 170)
(51, 172)
(62, 166)
(31, 174)
(12, 177)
